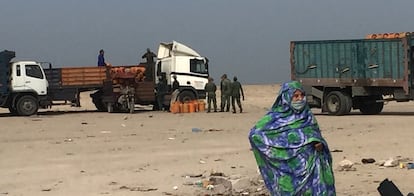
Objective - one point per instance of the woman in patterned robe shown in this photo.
(290, 151)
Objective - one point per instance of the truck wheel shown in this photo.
(338, 103)
(186, 96)
(97, 101)
(99, 105)
(27, 105)
(370, 106)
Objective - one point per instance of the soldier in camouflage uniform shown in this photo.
(210, 89)
(236, 88)
(225, 87)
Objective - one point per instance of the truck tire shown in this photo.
(186, 96)
(338, 103)
(27, 105)
(370, 106)
(99, 105)
(97, 101)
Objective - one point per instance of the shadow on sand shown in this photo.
(389, 113)
(56, 113)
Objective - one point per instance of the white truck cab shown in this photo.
(190, 68)
(27, 87)
(28, 76)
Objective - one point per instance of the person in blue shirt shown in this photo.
(101, 58)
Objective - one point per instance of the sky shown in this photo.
(249, 39)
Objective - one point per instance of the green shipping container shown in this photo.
(355, 68)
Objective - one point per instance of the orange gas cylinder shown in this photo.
(201, 106)
(175, 107)
(185, 108)
(181, 107)
(191, 107)
(195, 102)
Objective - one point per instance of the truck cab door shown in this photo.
(30, 77)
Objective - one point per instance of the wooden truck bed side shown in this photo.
(83, 76)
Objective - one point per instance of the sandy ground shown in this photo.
(78, 151)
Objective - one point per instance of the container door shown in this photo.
(360, 69)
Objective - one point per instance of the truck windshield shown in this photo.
(198, 66)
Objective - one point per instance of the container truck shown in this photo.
(341, 75)
(26, 86)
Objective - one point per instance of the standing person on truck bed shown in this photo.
(149, 56)
(292, 156)
(225, 88)
(236, 89)
(101, 58)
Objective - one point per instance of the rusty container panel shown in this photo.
(364, 62)
(76, 76)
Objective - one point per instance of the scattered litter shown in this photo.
(84, 123)
(125, 117)
(105, 131)
(336, 150)
(171, 138)
(217, 174)
(212, 130)
(150, 116)
(210, 187)
(196, 130)
(219, 185)
(407, 165)
(123, 125)
(391, 162)
(202, 162)
(113, 183)
(49, 189)
(368, 160)
(219, 159)
(68, 140)
(175, 187)
(193, 175)
(137, 188)
(346, 165)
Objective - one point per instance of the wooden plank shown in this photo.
(83, 74)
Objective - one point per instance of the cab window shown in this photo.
(18, 70)
(198, 66)
(34, 71)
